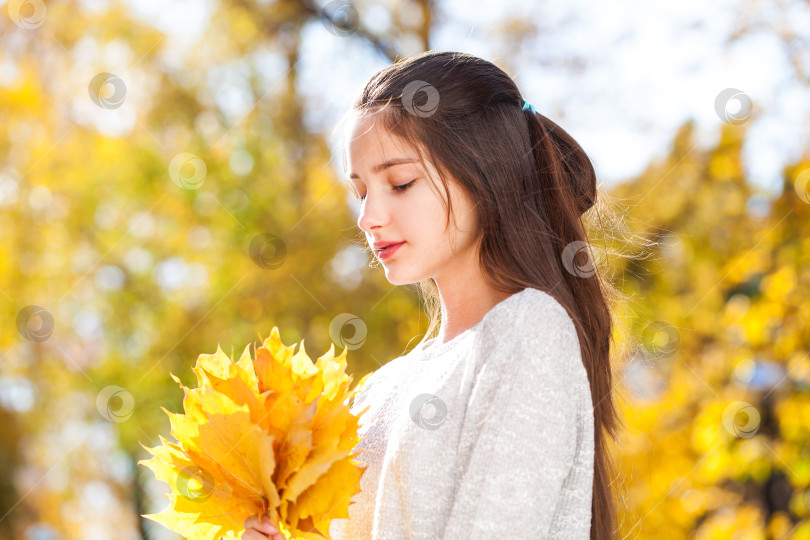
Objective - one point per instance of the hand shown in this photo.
(260, 527)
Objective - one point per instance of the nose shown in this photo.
(373, 214)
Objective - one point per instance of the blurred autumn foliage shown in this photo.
(146, 217)
(717, 408)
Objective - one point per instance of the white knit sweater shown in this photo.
(489, 435)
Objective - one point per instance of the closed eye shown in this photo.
(399, 188)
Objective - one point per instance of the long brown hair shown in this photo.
(532, 184)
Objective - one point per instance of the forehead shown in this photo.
(370, 142)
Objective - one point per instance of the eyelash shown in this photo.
(400, 188)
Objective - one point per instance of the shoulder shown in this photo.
(537, 332)
(378, 381)
(534, 314)
(538, 306)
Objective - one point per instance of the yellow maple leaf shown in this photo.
(273, 435)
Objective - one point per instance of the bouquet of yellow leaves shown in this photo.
(273, 436)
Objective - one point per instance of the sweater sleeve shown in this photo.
(520, 429)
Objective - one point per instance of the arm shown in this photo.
(520, 432)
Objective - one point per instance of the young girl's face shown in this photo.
(402, 202)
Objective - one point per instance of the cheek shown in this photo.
(425, 216)
(465, 212)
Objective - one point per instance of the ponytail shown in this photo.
(569, 188)
(557, 145)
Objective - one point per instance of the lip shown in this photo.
(389, 251)
(380, 244)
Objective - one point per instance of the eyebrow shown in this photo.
(385, 165)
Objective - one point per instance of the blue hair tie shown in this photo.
(527, 105)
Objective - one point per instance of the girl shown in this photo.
(498, 425)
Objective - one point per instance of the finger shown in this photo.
(266, 526)
(252, 522)
(253, 534)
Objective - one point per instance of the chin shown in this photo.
(395, 278)
(398, 281)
